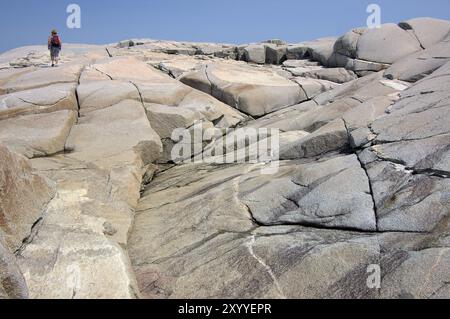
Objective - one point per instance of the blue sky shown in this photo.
(26, 22)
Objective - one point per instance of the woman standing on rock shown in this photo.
(54, 45)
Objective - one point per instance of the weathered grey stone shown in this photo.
(313, 87)
(295, 199)
(330, 137)
(360, 67)
(416, 125)
(214, 49)
(297, 51)
(284, 119)
(337, 75)
(417, 66)
(347, 45)
(366, 113)
(363, 68)
(228, 53)
(362, 89)
(407, 202)
(387, 44)
(274, 253)
(285, 261)
(252, 91)
(358, 120)
(165, 119)
(126, 44)
(319, 116)
(255, 53)
(148, 47)
(320, 50)
(407, 165)
(275, 54)
(424, 155)
(428, 31)
(428, 264)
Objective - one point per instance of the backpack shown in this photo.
(56, 42)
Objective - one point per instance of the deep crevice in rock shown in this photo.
(367, 175)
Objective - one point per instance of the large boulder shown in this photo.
(24, 196)
(103, 136)
(39, 134)
(331, 137)
(156, 87)
(365, 50)
(128, 69)
(320, 50)
(255, 53)
(358, 119)
(275, 54)
(165, 119)
(309, 118)
(423, 123)
(428, 31)
(417, 66)
(101, 94)
(293, 196)
(41, 100)
(347, 45)
(387, 44)
(360, 67)
(253, 91)
(180, 65)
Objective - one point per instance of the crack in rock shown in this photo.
(269, 270)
